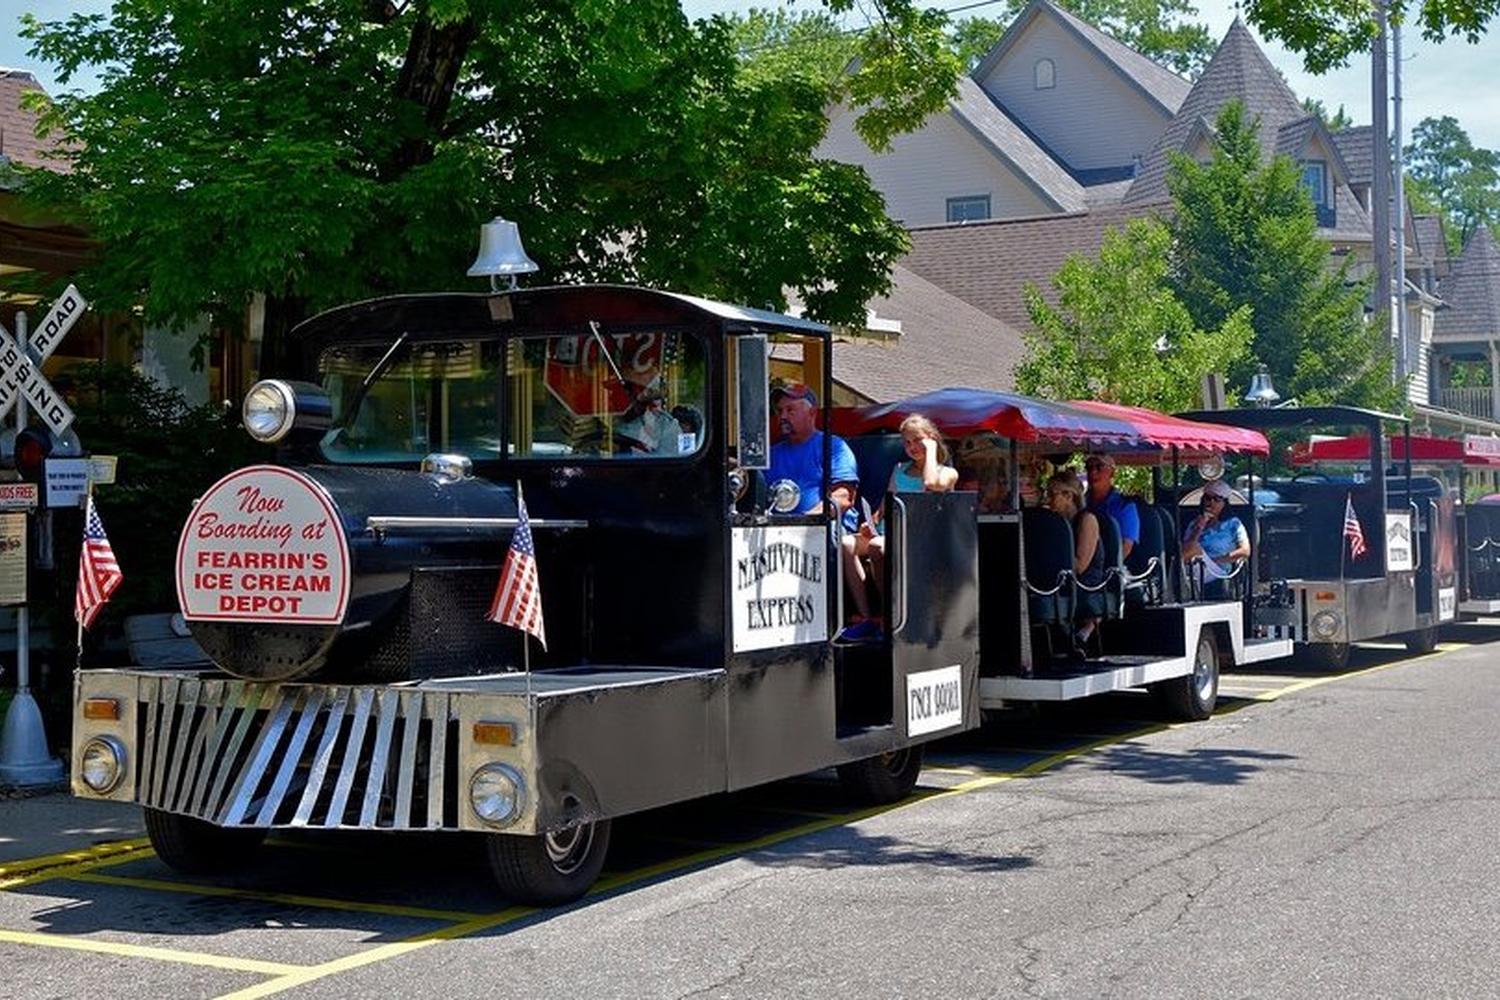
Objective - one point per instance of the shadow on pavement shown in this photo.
(1199, 765)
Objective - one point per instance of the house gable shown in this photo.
(1056, 80)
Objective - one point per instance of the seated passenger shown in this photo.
(1215, 541)
(648, 426)
(1065, 496)
(1103, 498)
(926, 469)
(798, 456)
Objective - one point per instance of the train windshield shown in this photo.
(601, 394)
(440, 396)
(633, 395)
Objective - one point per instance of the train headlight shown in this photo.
(102, 764)
(786, 496)
(1325, 624)
(274, 408)
(497, 794)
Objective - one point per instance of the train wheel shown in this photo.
(195, 847)
(1327, 656)
(553, 868)
(885, 778)
(1423, 640)
(1191, 698)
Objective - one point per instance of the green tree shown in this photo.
(1118, 332)
(1462, 180)
(783, 43)
(328, 151)
(1328, 32)
(1163, 30)
(1338, 120)
(1245, 234)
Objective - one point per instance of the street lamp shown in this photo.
(500, 252)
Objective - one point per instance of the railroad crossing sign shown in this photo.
(21, 364)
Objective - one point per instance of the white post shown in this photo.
(25, 760)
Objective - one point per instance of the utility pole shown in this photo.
(1380, 188)
(1405, 370)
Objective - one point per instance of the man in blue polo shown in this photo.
(1105, 499)
(798, 456)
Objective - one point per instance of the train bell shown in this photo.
(1262, 393)
(500, 252)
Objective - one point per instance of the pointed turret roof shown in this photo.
(1240, 71)
(1472, 291)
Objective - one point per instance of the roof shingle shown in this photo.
(995, 128)
(18, 139)
(1472, 291)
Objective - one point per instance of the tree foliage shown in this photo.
(328, 151)
(1118, 332)
(1328, 32)
(1338, 120)
(1245, 234)
(1163, 30)
(1460, 179)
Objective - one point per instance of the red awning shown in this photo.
(1473, 451)
(1082, 425)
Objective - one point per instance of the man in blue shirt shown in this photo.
(798, 456)
(1105, 499)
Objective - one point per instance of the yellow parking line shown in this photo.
(121, 950)
(67, 871)
(11, 871)
(290, 899)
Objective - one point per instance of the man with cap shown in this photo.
(798, 456)
(1103, 498)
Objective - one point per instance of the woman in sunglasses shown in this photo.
(1065, 497)
(1215, 536)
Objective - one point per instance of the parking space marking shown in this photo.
(289, 899)
(121, 950)
(24, 870)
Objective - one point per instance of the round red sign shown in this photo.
(264, 544)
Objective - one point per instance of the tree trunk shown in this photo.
(283, 312)
(434, 57)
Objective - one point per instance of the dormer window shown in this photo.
(1315, 179)
(1046, 74)
(969, 208)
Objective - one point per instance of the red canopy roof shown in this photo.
(1473, 451)
(960, 412)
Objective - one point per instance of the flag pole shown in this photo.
(1343, 537)
(88, 501)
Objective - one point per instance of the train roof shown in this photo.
(1473, 451)
(1295, 416)
(554, 306)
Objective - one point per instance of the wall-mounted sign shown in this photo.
(18, 496)
(779, 586)
(265, 544)
(12, 558)
(934, 700)
(102, 469)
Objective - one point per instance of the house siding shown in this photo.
(1091, 117)
(923, 169)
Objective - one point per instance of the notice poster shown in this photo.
(1398, 543)
(779, 586)
(264, 544)
(12, 559)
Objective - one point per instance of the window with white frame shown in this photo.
(1315, 179)
(969, 208)
(1046, 74)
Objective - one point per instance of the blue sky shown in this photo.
(1452, 78)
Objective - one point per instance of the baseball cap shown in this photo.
(1108, 461)
(794, 390)
(1218, 488)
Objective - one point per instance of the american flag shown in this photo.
(1352, 530)
(98, 573)
(518, 599)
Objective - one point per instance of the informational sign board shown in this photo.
(779, 586)
(18, 496)
(1398, 543)
(1447, 603)
(12, 558)
(102, 469)
(21, 364)
(934, 700)
(67, 481)
(264, 544)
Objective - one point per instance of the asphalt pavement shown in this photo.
(1320, 836)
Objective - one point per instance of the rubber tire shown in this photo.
(884, 778)
(1423, 640)
(196, 847)
(1187, 699)
(1326, 656)
(526, 874)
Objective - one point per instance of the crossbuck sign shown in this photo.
(21, 364)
